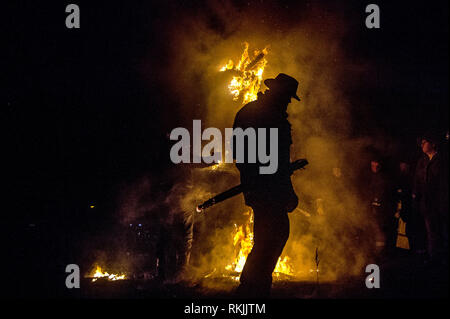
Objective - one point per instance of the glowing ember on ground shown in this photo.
(249, 72)
(99, 273)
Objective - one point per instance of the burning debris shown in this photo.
(243, 243)
(248, 74)
(100, 273)
(229, 258)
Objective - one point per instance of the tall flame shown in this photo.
(243, 240)
(247, 81)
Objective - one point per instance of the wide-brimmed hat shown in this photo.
(285, 83)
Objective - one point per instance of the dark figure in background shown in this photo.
(176, 228)
(271, 196)
(382, 209)
(430, 193)
(403, 200)
(174, 247)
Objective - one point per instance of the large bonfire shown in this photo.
(246, 84)
(248, 72)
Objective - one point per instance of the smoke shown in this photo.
(310, 49)
(331, 217)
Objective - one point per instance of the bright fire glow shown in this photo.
(245, 85)
(243, 240)
(248, 78)
(99, 273)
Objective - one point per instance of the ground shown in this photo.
(400, 278)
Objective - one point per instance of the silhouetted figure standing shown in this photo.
(430, 193)
(381, 206)
(176, 229)
(271, 196)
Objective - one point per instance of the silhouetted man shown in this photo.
(430, 192)
(271, 196)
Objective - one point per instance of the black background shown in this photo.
(80, 116)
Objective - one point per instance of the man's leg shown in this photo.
(271, 231)
(432, 229)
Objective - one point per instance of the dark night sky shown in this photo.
(81, 116)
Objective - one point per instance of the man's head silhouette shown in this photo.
(283, 85)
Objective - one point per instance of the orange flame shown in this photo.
(99, 273)
(249, 72)
(243, 240)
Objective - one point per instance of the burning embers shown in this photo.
(243, 243)
(100, 273)
(248, 74)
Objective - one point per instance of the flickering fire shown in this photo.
(99, 273)
(217, 166)
(243, 240)
(284, 266)
(245, 85)
(248, 78)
